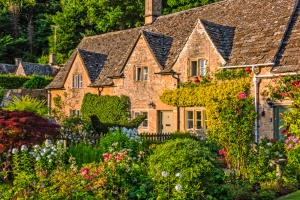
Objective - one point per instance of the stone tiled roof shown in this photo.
(38, 69)
(254, 32)
(288, 57)
(221, 36)
(93, 62)
(7, 68)
(160, 46)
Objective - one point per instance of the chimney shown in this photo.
(152, 10)
(18, 61)
(52, 59)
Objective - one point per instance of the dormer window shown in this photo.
(197, 67)
(141, 73)
(77, 81)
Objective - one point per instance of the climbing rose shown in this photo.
(283, 132)
(241, 95)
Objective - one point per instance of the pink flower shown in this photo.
(106, 156)
(295, 140)
(241, 95)
(84, 171)
(239, 112)
(290, 146)
(279, 75)
(221, 152)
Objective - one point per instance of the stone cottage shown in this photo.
(141, 62)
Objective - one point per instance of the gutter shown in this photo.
(244, 66)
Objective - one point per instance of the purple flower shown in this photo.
(42, 185)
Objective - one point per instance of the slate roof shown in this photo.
(254, 31)
(7, 68)
(35, 68)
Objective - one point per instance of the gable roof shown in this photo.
(7, 68)
(243, 31)
(35, 68)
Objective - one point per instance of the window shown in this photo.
(74, 112)
(141, 73)
(145, 122)
(197, 67)
(195, 119)
(77, 81)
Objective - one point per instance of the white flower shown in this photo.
(24, 148)
(280, 155)
(42, 153)
(178, 187)
(38, 158)
(271, 164)
(50, 160)
(36, 146)
(178, 175)
(269, 144)
(129, 150)
(267, 151)
(261, 147)
(164, 174)
(49, 156)
(276, 153)
(15, 150)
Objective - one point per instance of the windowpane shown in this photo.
(145, 122)
(193, 69)
(138, 74)
(189, 119)
(198, 120)
(80, 81)
(145, 73)
(136, 114)
(202, 66)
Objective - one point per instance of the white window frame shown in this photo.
(194, 119)
(145, 123)
(77, 81)
(197, 67)
(141, 73)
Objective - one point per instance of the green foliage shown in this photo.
(12, 81)
(187, 157)
(1, 93)
(171, 6)
(225, 74)
(108, 109)
(37, 82)
(121, 138)
(29, 104)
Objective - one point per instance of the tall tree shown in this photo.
(171, 6)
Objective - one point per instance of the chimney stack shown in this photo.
(18, 61)
(152, 10)
(52, 59)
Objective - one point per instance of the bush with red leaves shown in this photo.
(21, 127)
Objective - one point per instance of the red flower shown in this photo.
(196, 80)
(248, 70)
(284, 94)
(284, 132)
(85, 171)
(241, 95)
(289, 135)
(271, 140)
(296, 83)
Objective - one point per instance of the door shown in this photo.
(166, 122)
(278, 121)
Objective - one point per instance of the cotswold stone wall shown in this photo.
(40, 94)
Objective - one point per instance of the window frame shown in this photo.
(75, 112)
(145, 123)
(141, 73)
(194, 119)
(77, 81)
(201, 67)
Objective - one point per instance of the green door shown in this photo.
(278, 122)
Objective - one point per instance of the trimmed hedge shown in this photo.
(12, 81)
(37, 82)
(108, 109)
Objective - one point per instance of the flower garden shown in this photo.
(78, 160)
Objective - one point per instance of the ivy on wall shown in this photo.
(230, 112)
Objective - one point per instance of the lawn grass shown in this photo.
(293, 196)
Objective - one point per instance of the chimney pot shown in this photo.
(18, 61)
(52, 59)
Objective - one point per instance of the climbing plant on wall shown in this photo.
(230, 112)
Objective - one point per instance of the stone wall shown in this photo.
(40, 94)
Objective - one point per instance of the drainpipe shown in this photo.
(178, 108)
(49, 102)
(256, 107)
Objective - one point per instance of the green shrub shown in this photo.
(1, 93)
(29, 104)
(37, 82)
(12, 81)
(193, 161)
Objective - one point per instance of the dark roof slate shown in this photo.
(253, 28)
(7, 68)
(38, 69)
